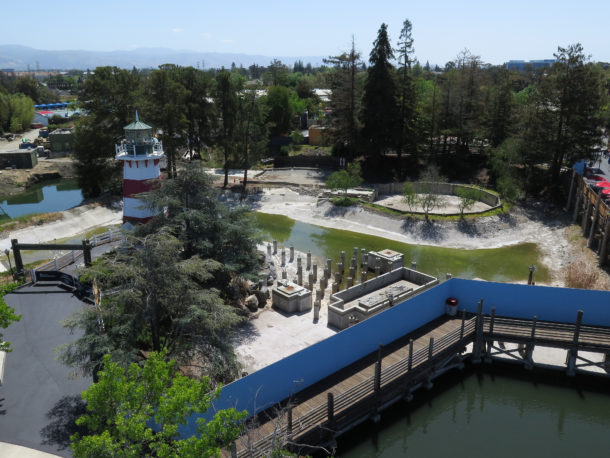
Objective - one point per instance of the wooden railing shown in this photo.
(352, 396)
(111, 235)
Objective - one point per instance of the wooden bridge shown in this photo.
(312, 419)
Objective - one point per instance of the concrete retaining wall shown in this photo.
(441, 188)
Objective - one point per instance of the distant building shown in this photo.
(520, 65)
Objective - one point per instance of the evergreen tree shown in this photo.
(227, 108)
(407, 98)
(345, 101)
(379, 100)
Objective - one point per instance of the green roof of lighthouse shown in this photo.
(137, 125)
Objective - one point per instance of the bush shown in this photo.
(582, 275)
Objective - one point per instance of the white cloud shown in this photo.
(226, 41)
(177, 30)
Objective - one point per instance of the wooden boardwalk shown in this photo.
(315, 416)
(307, 410)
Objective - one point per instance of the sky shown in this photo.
(495, 30)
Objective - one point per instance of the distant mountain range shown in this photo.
(19, 57)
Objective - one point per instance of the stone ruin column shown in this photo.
(283, 257)
(275, 247)
(315, 273)
(308, 260)
(291, 253)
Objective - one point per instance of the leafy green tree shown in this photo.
(280, 110)
(254, 131)
(110, 97)
(7, 314)
(410, 195)
(161, 302)
(468, 197)
(429, 195)
(122, 403)
(166, 109)
(189, 207)
(345, 179)
(379, 111)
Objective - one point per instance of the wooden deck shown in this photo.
(309, 409)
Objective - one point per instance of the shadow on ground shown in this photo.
(62, 424)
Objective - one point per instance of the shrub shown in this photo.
(581, 274)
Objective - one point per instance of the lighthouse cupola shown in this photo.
(141, 154)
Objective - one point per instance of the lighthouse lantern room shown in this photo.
(141, 154)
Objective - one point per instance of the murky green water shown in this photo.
(495, 417)
(497, 264)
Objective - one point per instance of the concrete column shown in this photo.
(355, 254)
(362, 255)
(343, 257)
(365, 257)
(448, 276)
(337, 277)
(275, 247)
(308, 260)
(311, 282)
(326, 274)
(335, 287)
(377, 269)
(318, 294)
(365, 267)
(284, 275)
(316, 310)
(269, 249)
(363, 276)
(315, 273)
(350, 282)
(300, 276)
(298, 262)
(323, 283)
(414, 265)
(329, 266)
(291, 253)
(283, 257)
(352, 272)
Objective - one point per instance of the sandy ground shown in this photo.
(451, 205)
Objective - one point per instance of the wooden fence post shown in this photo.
(463, 324)
(410, 365)
(603, 249)
(478, 340)
(17, 256)
(378, 371)
(529, 348)
(595, 218)
(490, 339)
(577, 206)
(573, 350)
(330, 406)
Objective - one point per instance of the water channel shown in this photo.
(50, 196)
(486, 415)
(504, 264)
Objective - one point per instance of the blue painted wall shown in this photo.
(523, 301)
(286, 377)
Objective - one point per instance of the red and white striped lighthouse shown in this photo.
(141, 154)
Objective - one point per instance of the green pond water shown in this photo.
(498, 264)
(492, 416)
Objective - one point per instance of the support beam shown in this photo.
(603, 249)
(478, 338)
(573, 350)
(593, 229)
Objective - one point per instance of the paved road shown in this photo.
(34, 382)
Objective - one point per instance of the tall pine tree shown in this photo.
(379, 100)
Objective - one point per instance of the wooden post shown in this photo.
(595, 218)
(577, 206)
(603, 249)
(570, 194)
(17, 256)
(430, 348)
(573, 350)
(586, 215)
(410, 365)
(87, 253)
(378, 370)
(331, 410)
(529, 348)
(463, 324)
(289, 421)
(478, 340)
(490, 339)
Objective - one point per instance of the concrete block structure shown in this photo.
(359, 302)
(141, 155)
(388, 260)
(291, 298)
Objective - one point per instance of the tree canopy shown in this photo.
(137, 412)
